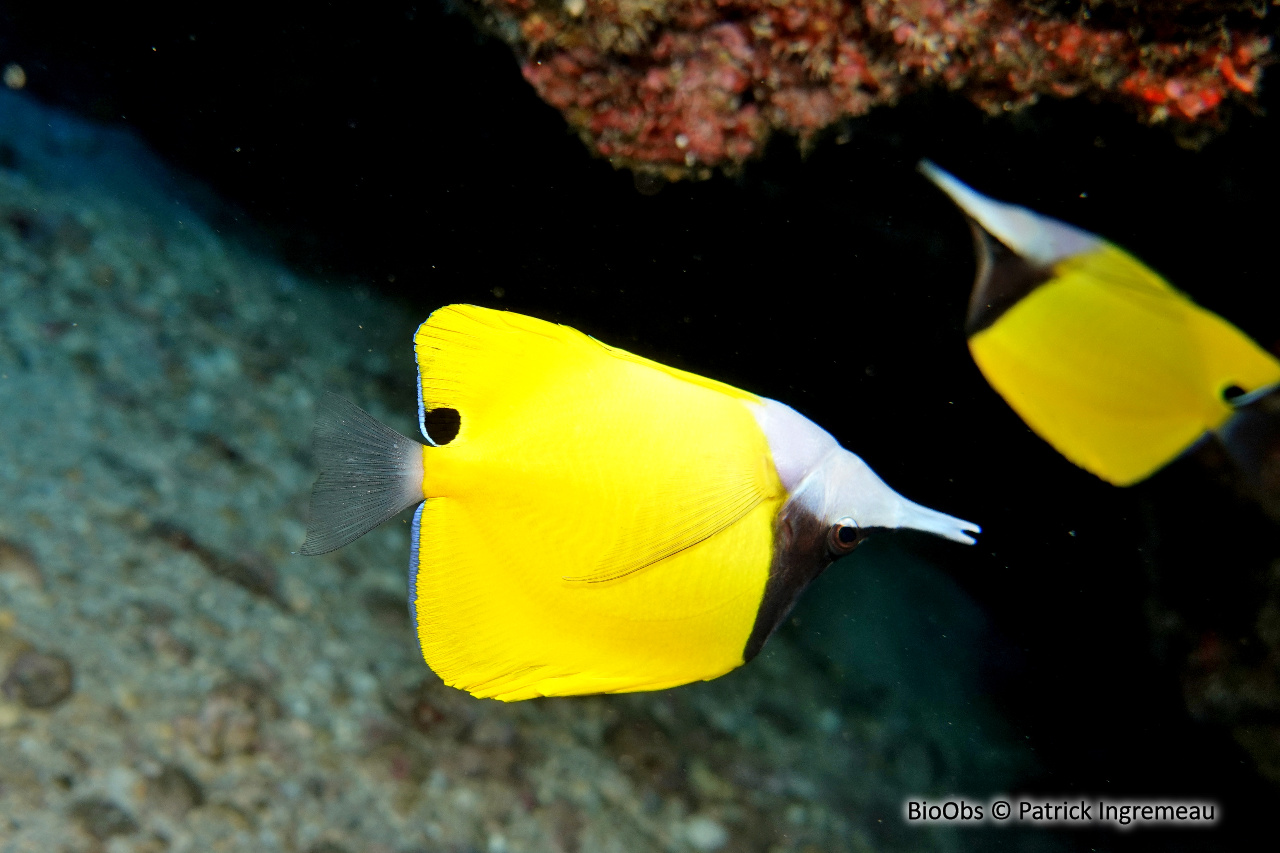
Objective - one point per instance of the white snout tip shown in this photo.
(922, 518)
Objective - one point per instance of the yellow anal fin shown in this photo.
(493, 622)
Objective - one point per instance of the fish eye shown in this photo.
(843, 537)
(1231, 393)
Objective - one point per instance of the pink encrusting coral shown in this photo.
(685, 86)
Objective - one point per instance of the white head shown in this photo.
(836, 486)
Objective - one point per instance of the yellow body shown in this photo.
(1115, 368)
(601, 523)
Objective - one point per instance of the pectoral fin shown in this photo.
(684, 512)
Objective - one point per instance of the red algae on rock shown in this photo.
(679, 88)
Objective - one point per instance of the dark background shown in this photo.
(391, 145)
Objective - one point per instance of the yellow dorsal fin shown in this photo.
(460, 340)
(692, 378)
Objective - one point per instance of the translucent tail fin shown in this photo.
(368, 473)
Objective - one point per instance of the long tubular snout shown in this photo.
(854, 490)
(919, 517)
(1039, 239)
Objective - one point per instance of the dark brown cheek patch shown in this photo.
(800, 554)
(1003, 280)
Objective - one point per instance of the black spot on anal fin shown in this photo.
(1251, 438)
(442, 425)
(1234, 395)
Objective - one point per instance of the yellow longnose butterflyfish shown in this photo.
(590, 521)
(1097, 353)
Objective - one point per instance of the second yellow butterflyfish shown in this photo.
(591, 521)
(1098, 354)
